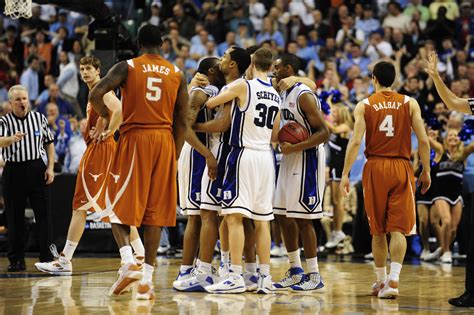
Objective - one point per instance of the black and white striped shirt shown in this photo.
(31, 147)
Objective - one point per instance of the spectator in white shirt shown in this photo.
(257, 12)
(348, 33)
(396, 18)
(378, 48)
(68, 80)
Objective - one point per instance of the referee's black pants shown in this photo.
(22, 180)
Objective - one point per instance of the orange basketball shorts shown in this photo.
(141, 186)
(389, 195)
(92, 176)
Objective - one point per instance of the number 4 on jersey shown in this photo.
(387, 126)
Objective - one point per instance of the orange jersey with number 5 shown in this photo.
(388, 125)
(149, 95)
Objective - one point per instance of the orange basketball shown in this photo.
(293, 133)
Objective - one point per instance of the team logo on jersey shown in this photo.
(311, 200)
(116, 177)
(198, 196)
(95, 177)
(219, 192)
(227, 194)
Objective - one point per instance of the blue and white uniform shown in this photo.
(191, 164)
(249, 181)
(300, 185)
(211, 190)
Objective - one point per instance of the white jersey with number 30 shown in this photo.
(252, 123)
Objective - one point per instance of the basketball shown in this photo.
(293, 133)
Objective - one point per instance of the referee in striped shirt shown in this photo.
(26, 140)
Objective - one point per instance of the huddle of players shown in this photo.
(236, 192)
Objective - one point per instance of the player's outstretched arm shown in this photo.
(237, 90)
(114, 78)
(353, 146)
(221, 124)
(449, 98)
(423, 144)
(180, 120)
(197, 99)
(307, 103)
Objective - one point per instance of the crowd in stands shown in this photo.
(337, 41)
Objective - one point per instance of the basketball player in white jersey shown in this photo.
(300, 186)
(245, 193)
(195, 160)
(211, 188)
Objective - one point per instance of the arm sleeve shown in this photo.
(48, 136)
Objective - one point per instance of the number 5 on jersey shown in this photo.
(153, 90)
(387, 126)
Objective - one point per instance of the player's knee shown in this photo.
(234, 220)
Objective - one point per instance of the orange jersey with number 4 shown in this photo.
(149, 95)
(388, 125)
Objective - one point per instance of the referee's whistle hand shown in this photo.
(18, 136)
(49, 176)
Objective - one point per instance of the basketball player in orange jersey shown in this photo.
(141, 186)
(92, 174)
(386, 118)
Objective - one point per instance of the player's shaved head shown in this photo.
(206, 64)
(149, 36)
(291, 60)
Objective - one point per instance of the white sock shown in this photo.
(236, 269)
(138, 247)
(251, 267)
(381, 273)
(126, 255)
(69, 249)
(206, 267)
(225, 257)
(295, 260)
(312, 265)
(264, 269)
(147, 273)
(197, 263)
(395, 269)
(184, 268)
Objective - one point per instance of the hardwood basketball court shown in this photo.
(424, 288)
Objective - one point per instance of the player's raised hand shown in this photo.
(211, 163)
(424, 180)
(344, 186)
(431, 64)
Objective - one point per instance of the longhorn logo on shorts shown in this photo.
(109, 205)
(95, 177)
(116, 177)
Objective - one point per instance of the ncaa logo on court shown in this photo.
(227, 194)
